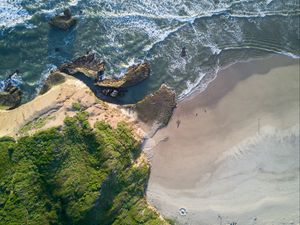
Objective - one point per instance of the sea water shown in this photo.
(214, 33)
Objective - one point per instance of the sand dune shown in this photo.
(235, 154)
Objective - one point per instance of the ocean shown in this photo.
(215, 34)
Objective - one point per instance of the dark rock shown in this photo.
(133, 76)
(67, 13)
(11, 96)
(63, 22)
(90, 65)
(114, 93)
(157, 107)
(54, 78)
(111, 92)
(90, 69)
(106, 92)
(183, 52)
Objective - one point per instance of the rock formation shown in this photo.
(90, 65)
(11, 96)
(53, 79)
(133, 76)
(63, 22)
(157, 107)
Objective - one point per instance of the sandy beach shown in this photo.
(231, 153)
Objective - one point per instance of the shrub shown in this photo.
(74, 175)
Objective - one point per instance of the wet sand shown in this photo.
(231, 153)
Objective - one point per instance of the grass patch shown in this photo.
(35, 124)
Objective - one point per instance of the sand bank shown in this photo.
(231, 153)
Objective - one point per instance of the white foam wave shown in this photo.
(289, 54)
(73, 2)
(12, 13)
(214, 48)
(125, 67)
(44, 75)
(191, 86)
(15, 79)
(195, 86)
(160, 37)
(191, 18)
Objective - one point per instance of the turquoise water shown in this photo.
(215, 34)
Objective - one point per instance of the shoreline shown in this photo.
(196, 91)
(248, 102)
(203, 106)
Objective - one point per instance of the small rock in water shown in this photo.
(63, 22)
(106, 92)
(111, 92)
(114, 93)
(183, 52)
(67, 13)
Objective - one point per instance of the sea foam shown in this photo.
(12, 13)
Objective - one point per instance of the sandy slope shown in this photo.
(235, 155)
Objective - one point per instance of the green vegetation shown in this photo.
(74, 175)
(77, 106)
(35, 124)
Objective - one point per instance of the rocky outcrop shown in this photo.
(134, 75)
(11, 96)
(63, 22)
(53, 79)
(90, 65)
(90, 69)
(157, 107)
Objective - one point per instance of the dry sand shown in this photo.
(235, 154)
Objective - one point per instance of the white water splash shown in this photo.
(12, 13)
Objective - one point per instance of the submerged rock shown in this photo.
(157, 107)
(90, 65)
(53, 79)
(111, 92)
(11, 96)
(63, 22)
(133, 76)
(183, 52)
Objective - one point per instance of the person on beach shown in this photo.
(178, 123)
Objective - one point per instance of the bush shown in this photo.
(74, 175)
(77, 106)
